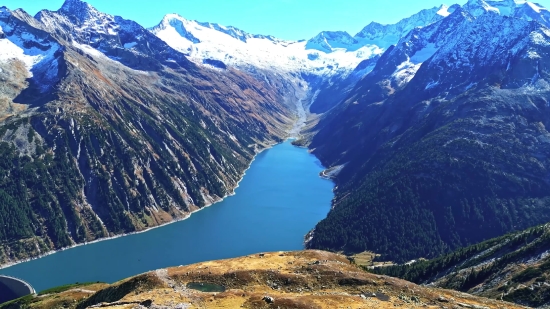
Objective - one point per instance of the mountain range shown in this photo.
(433, 128)
(443, 143)
(108, 130)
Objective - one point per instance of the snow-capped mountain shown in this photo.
(512, 8)
(239, 49)
(27, 44)
(120, 39)
(457, 111)
(328, 61)
(329, 41)
(328, 53)
(445, 41)
(107, 130)
(386, 35)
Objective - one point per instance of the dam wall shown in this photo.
(13, 288)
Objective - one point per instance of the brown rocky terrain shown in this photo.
(304, 279)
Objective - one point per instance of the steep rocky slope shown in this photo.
(108, 130)
(309, 279)
(514, 267)
(444, 143)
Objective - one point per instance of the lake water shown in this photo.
(279, 200)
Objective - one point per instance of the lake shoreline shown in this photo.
(282, 185)
(8, 265)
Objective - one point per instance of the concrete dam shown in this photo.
(13, 288)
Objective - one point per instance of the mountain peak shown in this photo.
(178, 23)
(75, 5)
(445, 10)
(172, 16)
(327, 41)
(79, 9)
(387, 35)
(480, 7)
(512, 8)
(4, 11)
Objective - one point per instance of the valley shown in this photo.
(264, 215)
(432, 131)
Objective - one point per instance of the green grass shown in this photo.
(66, 287)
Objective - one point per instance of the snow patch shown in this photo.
(535, 7)
(539, 39)
(405, 72)
(97, 53)
(444, 11)
(531, 54)
(12, 47)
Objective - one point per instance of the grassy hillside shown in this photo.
(298, 280)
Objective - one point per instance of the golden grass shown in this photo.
(300, 280)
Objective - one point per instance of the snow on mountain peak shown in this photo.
(479, 7)
(87, 25)
(204, 42)
(512, 8)
(386, 35)
(177, 22)
(536, 7)
(329, 41)
(444, 11)
(23, 43)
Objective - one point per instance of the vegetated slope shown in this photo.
(305, 279)
(444, 143)
(514, 267)
(107, 130)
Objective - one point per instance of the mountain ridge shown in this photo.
(414, 143)
(125, 138)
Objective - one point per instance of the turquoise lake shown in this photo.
(279, 200)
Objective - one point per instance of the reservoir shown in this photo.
(279, 200)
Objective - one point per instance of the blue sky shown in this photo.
(286, 19)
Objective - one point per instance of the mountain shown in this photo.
(248, 52)
(387, 35)
(303, 279)
(442, 145)
(512, 8)
(118, 128)
(107, 130)
(514, 267)
(329, 41)
(329, 63)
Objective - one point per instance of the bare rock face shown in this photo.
(307, 279)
